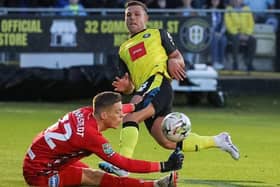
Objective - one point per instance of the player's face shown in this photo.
(115, 115)
(135, 19)
(215, 3)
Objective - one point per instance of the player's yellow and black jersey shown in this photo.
(145, 54)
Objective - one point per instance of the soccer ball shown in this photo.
(176, 126)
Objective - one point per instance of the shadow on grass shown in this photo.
(226, 183)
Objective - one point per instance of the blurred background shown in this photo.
(68, 49)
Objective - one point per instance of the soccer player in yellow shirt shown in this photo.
(149, 61)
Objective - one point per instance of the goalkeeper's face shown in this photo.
(135, 19)
(114, 116)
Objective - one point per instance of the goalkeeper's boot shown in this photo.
(110, 168)
(223, 141)
(167, 181)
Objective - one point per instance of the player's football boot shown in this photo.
(223, 141)
(110, 168)
(167, 181)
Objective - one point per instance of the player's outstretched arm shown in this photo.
(174, 162)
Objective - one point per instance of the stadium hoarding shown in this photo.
(93, 33)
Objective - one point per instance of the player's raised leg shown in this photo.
(223, 141)
(195, 142)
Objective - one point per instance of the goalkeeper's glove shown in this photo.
(174, 162)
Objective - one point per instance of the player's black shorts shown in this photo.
(161, 97)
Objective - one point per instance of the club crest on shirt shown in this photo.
(147, 35)
(107, 149)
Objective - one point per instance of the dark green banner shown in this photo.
(93, 34)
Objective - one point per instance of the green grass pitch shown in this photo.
(253, 122)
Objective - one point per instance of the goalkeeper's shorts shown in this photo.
(69, 176)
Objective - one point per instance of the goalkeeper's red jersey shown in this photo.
(73, 137)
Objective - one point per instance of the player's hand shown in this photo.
(174, 162)
(176, 69)
(123, 84)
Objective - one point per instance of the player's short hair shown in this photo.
(104, 100)
(133, 3)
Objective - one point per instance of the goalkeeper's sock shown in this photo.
(128, 138)
(110, 180)
(195, 142)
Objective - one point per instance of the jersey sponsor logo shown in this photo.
(54, 181)
(137, 51)
(107, 149)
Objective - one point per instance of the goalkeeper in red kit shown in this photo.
(53, 158)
